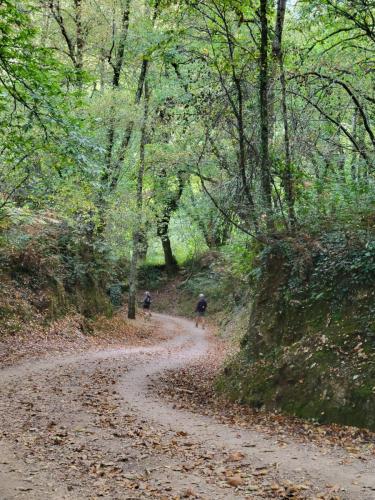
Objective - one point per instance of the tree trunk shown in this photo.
(137, 232)
(75, 42)
(354, 156)
(164, 217)
(238, 110)
(115, 169)
(170, 260)
(117, 67)
(133, 277)
(263, 109)
(287, 177)
(143, 244)
(80, 41)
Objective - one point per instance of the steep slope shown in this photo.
(309, 348)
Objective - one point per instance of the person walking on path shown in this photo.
(147, 304)
(200, 311)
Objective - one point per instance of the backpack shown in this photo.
(202, 305)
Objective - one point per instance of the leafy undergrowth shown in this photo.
(49, 269)
(74, 333)
(192, 388)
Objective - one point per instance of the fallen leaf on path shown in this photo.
(235, 480)
(189, 493)
(235, 456)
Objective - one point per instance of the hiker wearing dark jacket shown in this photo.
(147, 304)
(200, 311)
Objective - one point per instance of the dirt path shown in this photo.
(88, 426)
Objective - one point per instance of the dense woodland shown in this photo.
(153, 132)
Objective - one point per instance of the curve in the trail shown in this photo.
(356, 479)
(295, 461)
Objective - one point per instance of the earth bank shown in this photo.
(308, 347)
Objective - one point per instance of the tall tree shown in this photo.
(137, 230)
(75, 36)
(287, 173)
(116, 60)
(264, 109)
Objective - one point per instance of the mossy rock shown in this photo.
(309, 349)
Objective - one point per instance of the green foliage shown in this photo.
(240, 254)
(151, 276)
(58, 109)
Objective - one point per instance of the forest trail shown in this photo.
(88, 426)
